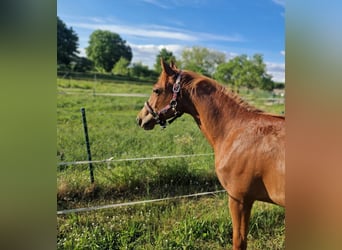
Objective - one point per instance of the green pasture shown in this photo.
(200, 223)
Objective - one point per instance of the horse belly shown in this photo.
(274, 181)
(270, 155)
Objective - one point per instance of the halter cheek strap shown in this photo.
(158, 116)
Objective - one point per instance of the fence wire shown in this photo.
(111, 159)
(88, 209)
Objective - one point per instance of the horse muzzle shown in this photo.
(146, 121)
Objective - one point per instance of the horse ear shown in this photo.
(173, 65)
(166, 68)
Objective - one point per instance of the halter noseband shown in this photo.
(159, 116)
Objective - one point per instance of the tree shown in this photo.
(140, 70)
(106, 48)
(82, 64)
(224, 72)
(67, 43)
(202, 60)
(263, 79)
(166, 55)
(121, 67)
(242, 71)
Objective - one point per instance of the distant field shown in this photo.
(201, 223)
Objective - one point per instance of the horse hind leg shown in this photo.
(240, 214)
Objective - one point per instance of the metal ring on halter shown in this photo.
(173, 103)
(176, 88)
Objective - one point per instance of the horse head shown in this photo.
(163, 105)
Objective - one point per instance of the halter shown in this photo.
(159, 116)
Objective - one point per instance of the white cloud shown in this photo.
(282, 52)
(277, 70)
(173, 39)
(136, 31)
(279, 2)
(161, 32)
(96, 19)
(157, 3)
(82, 52)
(230, 55)
(147, 53)
(171, 3)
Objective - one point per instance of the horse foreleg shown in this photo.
(240, 213)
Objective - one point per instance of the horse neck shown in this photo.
(215, 111)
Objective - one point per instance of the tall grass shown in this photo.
(183, 224)
(201, 223)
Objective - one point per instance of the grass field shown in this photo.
(196, 223)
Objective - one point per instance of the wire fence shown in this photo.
(131, 203)
(94, 208)
(111, 159)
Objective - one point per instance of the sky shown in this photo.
(233, 27)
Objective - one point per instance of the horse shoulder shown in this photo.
(232, 161)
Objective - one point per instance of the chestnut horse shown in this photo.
(249, 144)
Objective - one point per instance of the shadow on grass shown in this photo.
(166, 181)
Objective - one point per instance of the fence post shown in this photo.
(94, 85)
(87, 144)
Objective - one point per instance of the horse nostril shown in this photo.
(138, 120)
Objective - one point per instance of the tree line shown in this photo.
(107, 52)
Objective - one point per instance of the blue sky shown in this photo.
(233, 27)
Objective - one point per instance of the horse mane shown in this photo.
(241, 102)
(193, 79)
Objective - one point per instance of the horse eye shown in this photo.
(157, 91)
